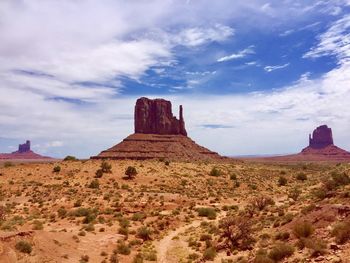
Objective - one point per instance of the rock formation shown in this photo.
(321, 147)
(158, 134)
(156, 117)
(22, 148)
(321, 137)
(23, 153)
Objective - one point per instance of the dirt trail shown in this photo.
(166, 243)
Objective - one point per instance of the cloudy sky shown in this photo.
(254, 77)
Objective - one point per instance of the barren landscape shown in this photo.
(174, 212)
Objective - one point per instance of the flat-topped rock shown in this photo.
(23, 153)
(321, 137)
(156, 117)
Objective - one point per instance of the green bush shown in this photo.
(144, 233)
(131, 172)
(208, 212)
(8, 164)
(281, 251)
(99, 173)
(341, 232)
(303, 229)
(94, 184)
(340, 179)
(70, 158)
(209, 253)
(215, 172)
(106, 167)
(123, 248)
(282, 181)
(57, 169)
(301, 177)
(24, 247)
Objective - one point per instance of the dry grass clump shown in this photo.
(341, 232)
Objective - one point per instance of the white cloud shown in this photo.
(198, 36)
(334, 42)
(241, 54)
(101, 41)
(275, 67)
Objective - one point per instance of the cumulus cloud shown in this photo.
(53, 53)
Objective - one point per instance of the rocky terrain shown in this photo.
(23, 153)
(161, 211)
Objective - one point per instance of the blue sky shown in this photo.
(254, 77)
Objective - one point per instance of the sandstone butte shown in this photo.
(321, 148)
(23, 153)
(158, 135)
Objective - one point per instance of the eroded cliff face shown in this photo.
(321, 137)
(156, 117)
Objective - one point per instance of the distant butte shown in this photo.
(321, 146)
(158, 134)
(23, 153)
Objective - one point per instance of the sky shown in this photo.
(254, 77)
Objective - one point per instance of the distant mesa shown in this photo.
(321, 144)
(23, 153)
(158, 134)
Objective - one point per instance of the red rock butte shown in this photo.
(23, 153)
(158, 135)
(321, 145)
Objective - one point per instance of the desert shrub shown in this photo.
(62, 212)
(144, 233)
(167, 163)
(138, 258)
(2, 213)
(123, 222)
(99, 173)
(131, 172)
(320, 193)
(317, 246)
(208, 212)
(262, 257)
(24, 247)
(294, 193)
(77, 203)
(56, 169)
(8, 164)
(236, 232)
(282, 236)
(215, 172)
(106, 167)
(89, 218)
(70, 158)
(123, 248)
(37, 225)
(94, 184)
(84, 258)
(209, 253)
(282, 181)
(281, 251)
(301, 177)
(233, 177)
(303, 229)
(123, 231)
(205, 237)
(138, 216)
(261, 202)
(341, 232)
(340, 179)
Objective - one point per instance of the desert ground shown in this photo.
(164, 211)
